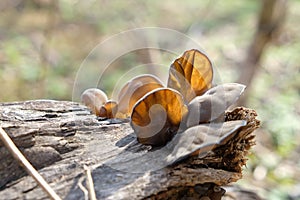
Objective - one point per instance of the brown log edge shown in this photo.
(60, 137)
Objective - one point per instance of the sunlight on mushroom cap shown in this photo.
(156, 117)
(191, 74)
(135, 89)
(93, 98)
(109, 109)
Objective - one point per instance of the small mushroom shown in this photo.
(191, 74)
(157, 116)
(135, 89)
(109, 109)
(213, 103)
(93, 98)
(200, 139)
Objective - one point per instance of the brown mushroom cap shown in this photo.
(93, 98)
(200, 139)
(135, 89)
(191, 74)
(213, 103)
(156, 117)
(109, 109)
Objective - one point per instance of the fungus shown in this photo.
(200, 139)
(157, 116)
(134, 90)
(109, 109)
(93, 98)
(212, 104)
(191, 74)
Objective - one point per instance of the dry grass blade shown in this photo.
(9, 144)
(90, 183)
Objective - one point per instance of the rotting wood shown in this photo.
(60, 137)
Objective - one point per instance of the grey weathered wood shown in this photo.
(60, 137)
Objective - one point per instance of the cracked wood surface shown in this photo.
(60, 137)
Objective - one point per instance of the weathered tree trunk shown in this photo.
(269, 26)
(60, 137)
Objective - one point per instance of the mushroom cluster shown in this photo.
(189, 104)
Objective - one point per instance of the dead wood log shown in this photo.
(60, 137)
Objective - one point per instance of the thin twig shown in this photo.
(82, 188)
(9, 144)
(90, 183)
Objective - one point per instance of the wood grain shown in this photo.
(60, 138)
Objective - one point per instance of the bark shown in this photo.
(59, 138)
(269, 26)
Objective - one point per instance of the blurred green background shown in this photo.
(44, 42)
